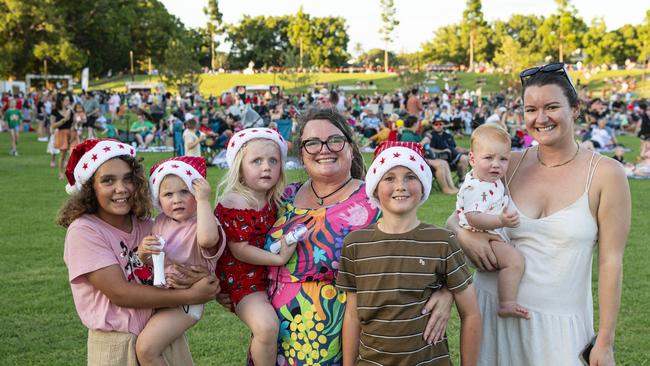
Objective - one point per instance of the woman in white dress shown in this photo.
(570, 201)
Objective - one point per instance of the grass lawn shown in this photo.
(216, 84)
(40, 325)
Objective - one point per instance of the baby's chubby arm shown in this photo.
(484, 221)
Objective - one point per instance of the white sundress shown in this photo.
(556, 288)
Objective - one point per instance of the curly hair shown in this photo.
(358, 170)
(85, 201)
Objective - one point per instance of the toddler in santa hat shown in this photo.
(107, 216)
(390, 269)
(247, 209)
(188, 233)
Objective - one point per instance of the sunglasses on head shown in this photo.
(553, 67)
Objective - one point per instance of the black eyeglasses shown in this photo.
(554, 67)
(335, 143)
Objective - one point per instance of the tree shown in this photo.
(562, 31)
(32, 32)
(414, 60)
(180, 68)
(329, 42)
(473, 31)
(513, 57)
(627, 43)
(261, 39)
(388, 11)
(299, 32)
(214, 27)
(644, 37)
(358, 50)
(522, 29)
(594, 48)
(446, 46)
(375, 57)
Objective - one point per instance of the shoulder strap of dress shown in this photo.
(516, 168)
(592, 169)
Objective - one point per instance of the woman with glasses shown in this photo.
(571, 202)
(331, 204)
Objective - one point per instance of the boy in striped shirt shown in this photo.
(389, 270)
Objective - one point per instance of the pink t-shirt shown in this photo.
(92, 244)
(181, 246)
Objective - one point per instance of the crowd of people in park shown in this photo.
(338, 269)
(196, 125)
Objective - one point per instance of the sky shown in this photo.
(418, 19)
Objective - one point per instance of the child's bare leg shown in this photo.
(161, 330)
(256, 311)
(14, 139)
(511, 269)
(63, 155)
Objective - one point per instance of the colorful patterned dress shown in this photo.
(309, 307)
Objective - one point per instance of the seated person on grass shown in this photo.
(144, 131)
(443, 141)
(440, 167)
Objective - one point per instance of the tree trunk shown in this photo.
(211, 51)
(471, 50)
(385, 56)
(300, 54)
(561, 49)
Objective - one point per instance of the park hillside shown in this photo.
(62, 37)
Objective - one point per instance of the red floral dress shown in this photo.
(238, 279)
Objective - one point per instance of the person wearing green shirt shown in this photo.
(144, 131)
(13, 118)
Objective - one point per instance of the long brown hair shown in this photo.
(85, 201)
(358, 170)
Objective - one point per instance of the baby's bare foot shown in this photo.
(513, 310)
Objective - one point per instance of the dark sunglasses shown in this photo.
(554, 67)
(335, 143)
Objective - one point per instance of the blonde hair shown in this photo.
(490, 133)
(234, 181)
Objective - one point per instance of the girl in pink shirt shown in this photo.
(106, 217)
(188, 233)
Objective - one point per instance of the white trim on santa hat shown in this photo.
(240, 138)
(398, 156)
(92, 159)
(174, 167)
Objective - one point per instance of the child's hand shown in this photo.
(286, 251)
(509, 219)
(202, 190)
(148, 246)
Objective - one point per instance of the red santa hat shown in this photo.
(398, 153)
(88, 156)
(188, 168)
(238, 140)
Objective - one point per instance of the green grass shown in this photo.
(597, 82)
(216, 84)
(40, 325)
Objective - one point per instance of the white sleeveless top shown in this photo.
(556, 288)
